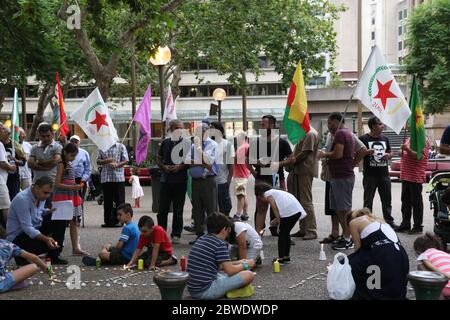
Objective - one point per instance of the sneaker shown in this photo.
(244, 217)
(237, 218)
(244, 292)
(59, 261)
(190, 228)
(89, 261)
(403, 229)
(282, 261)
(330, 239)
(175, 240)
(344, 245)
(394, 226)
(416, 230)
(298, 234)
(258, 261)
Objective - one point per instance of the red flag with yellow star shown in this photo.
(416, 121)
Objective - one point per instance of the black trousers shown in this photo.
(383, 184)
(412, 204)
(113, 196)
(284, 239)
(224, 199)
(13, 184)
(175, 194)
(53, 228)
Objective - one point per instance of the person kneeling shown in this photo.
(207, 255)
(245, 242)
(159, 247)
(15, 279)
(122, 252)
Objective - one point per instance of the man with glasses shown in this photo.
(30, 224)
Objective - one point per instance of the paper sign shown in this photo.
(64, 210)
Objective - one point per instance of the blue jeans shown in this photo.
(7, 283)
(220, 287)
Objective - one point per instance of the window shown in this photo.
(400, 46)
(405, 13)
(400, 15)
(373, 21)
(400, 30)
(373, 35)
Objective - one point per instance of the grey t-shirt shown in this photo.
(41, 153)
(225, 157)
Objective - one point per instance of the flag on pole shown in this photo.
(93, 117)
(379, 92)
(296, 118)
(15, 118)
(169, 110)
(143, 116)
(64, 126)
(417, 139)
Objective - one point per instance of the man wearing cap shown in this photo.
(81, 165)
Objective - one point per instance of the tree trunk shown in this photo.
(244, 100)
(47, 92)
(2, 96)
(103, 83)
(24, 108)
(176, 77)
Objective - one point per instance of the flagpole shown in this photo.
(126, 133)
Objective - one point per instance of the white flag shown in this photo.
(169, 111)
(379, 92)
(93, 117)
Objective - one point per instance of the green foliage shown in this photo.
(336, 81)
(429, 55)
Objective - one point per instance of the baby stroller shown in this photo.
(439, 182)
(95, 189)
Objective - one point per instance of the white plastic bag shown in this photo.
(340, 283)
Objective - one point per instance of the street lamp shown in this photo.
(219, 95)
(160, 58)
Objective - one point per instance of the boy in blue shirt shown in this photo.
(122, 252)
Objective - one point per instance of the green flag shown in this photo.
(15, 118)
(416, 121)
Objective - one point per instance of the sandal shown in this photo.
(329, 239)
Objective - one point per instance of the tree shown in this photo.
(108, 29)
(429, 55)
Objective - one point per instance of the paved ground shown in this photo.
(269, 285)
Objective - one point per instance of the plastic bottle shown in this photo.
(98, 263)
(276, 266)
(183, 263)
(48, 262)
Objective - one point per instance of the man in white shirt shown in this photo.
(24, 171)
(5, 167)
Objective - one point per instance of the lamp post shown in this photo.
(160, 58)
(219, 95)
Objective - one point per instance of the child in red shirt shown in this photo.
(159, 247)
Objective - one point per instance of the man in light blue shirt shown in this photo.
(29, 223)
(202, 163)
(81, 166)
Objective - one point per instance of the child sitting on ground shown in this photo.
(122, 252)
(245, 241)
(16, 279)
(433, 258)
(208, 255)
(287, 210)
(159, 248)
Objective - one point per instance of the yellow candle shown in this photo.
(140, 264)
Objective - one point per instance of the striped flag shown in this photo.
(64, 126)
(296, 118)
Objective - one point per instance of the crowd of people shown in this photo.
(226, 248)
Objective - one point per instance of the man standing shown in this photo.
(112, 178)
(24, 171)
(273, 161)
(412, 175)
(81, 165)
(340, 164)
(203, 170)
(444, 147)
(5, 202)
(173, 178)
(300, 180)
(16, 157)
(224, 168)
(376, 171)
(30, 224)
(45, 156)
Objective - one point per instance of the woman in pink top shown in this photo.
(433, 258)
(240, 177)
